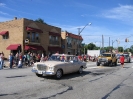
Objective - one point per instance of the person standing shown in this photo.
(122, 60)
(20, 63)
(11, 60)
(16, 59)
(1, 60)
(28, 59)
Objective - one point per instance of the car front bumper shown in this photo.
(44, 73)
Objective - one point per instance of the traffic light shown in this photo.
(126, 40)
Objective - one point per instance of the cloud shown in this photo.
(3, 13)
(123, 13)
(2, 4)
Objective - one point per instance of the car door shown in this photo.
(69, 64)
(113, 58)
(76, 64)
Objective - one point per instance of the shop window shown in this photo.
(28, 35)
(37, 37)
(6, 36)
(33, 37)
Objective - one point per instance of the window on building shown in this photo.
(37, 37)
(33, 37)
(50, 37)
(28, 35)
(6, 36)
(54, 40)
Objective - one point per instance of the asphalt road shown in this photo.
(96, 82)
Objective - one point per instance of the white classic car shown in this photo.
(59, 64)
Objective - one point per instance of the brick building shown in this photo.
(71, 43)
(23, 35)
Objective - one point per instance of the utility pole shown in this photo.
(79, 31)
(102, 42)
(109, 41)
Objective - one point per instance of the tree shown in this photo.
(131, 49)
(120, 49)
(40, 21)
(91, 46)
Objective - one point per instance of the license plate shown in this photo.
(102, 62)
(39, 72)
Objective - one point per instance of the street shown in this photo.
(96, 82)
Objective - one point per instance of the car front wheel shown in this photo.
(59, 74)
(98, 64)
(80, 70)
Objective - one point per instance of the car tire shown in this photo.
(38, 75)
(98, 64)
(80, 71)
(59, 74)
(129, 61)
(110, 64)
(116, 63)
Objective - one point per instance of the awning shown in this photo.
(3, 32)
(34, 30)
(13, 47)
(55, 49)
(33, 47)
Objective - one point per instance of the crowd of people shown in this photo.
(87, 58)
(20, 59)
(28, 59)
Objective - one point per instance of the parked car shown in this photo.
(59, 64)
(127, 58)
(108, 59)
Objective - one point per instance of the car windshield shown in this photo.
(126, 55)
(63, 58)
(55, 58)
(106, 55)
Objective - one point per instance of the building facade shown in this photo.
(24, 35)
(71, 43)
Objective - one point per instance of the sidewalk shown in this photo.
(7, 65)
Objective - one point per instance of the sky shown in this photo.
(110, 19)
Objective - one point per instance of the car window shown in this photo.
(55, 58)
(75, 59)
(106, 55)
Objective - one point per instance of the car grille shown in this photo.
(102, 59)
(41, 67)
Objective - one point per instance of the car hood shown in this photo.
(104, 57)
(50, 63)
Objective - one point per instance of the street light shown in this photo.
(79, 32)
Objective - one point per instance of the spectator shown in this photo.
(16, 59)
(38, 57)
(45, 58)
(20, 64)
(11, 60)
(1, 60)
(122, 60)
(42, 59)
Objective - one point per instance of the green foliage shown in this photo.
(40, 20)
(90, 46)
(120, 49)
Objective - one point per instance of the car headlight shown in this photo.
(51, 68)
(34, 68)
